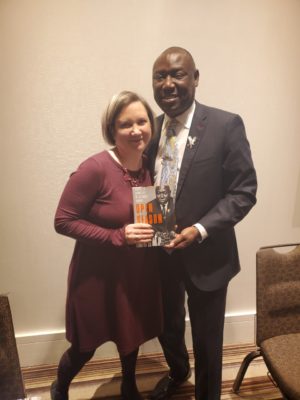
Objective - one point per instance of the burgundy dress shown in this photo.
(113, 289)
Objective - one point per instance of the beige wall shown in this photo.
(60, 63)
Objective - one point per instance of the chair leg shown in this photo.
(243, 368)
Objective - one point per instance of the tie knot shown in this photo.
(171, 128)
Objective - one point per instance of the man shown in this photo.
(161, 215)
(216, 188)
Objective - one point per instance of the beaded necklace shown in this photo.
(135, 178)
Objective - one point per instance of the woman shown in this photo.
(113, 286)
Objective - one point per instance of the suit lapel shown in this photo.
(153, 147)
(196, 134)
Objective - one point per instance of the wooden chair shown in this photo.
(277, 319)
(11, 382)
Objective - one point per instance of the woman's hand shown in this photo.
(138, 233)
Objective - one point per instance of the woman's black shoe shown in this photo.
(55, 394)
(130, 392)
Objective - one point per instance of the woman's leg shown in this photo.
(129, 389)
(70, 364)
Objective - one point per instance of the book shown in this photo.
(154, 205)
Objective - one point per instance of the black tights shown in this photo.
(70, 364)
(73, 360)
(128, 386)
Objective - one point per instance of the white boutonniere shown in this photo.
(191, 141)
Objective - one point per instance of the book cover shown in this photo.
(154, 205)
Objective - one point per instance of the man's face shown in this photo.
(162, 194)
(174, 82)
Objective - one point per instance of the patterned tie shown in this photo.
(170, 158)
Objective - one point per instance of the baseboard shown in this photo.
(40, 348)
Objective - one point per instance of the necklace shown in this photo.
(134, 178)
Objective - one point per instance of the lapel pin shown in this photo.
(191, 141)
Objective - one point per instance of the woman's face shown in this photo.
(132, 129)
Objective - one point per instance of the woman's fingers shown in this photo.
(138, 233)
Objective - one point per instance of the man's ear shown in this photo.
(196, 77)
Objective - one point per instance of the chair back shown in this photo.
(277, 292)
(11, 382)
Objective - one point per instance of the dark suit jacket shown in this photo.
(217, 188)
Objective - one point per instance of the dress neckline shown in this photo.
(134, 178)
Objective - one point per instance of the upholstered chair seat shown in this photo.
(282, 357)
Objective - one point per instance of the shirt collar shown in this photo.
(185, 119)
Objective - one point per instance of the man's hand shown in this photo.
(185, 238)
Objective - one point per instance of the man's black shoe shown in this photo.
(167, 386)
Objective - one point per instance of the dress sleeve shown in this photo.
(80, 193)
